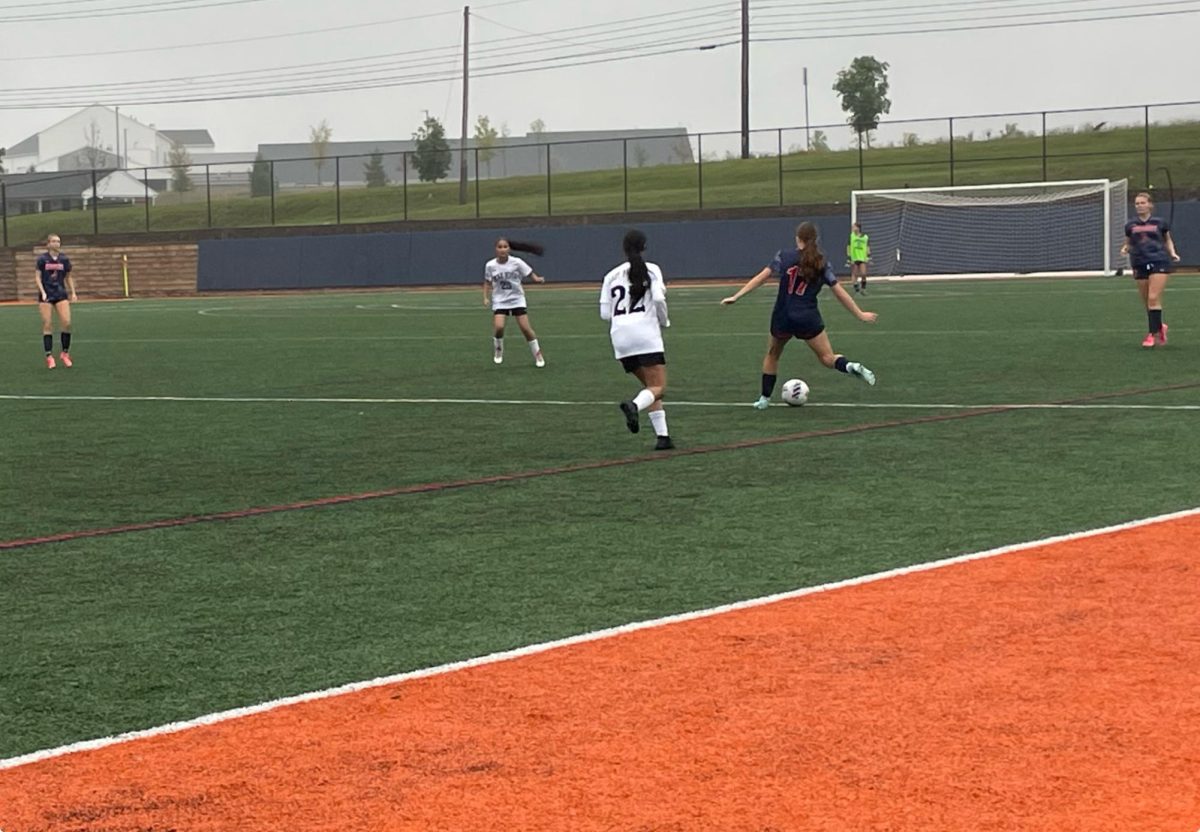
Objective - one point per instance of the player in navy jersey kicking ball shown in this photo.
(56, 291)
(1151, 254)
(802, 273)
(502, 291)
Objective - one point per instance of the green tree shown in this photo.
(431, 157)
(319, 137)
(820, 142)
(863, 88)
(260, 177)
(373, 171)
(179, 160)
(485, 140)
(1, 160)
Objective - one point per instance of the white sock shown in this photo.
(534, 348)
(498, 344)
(643, 400)
(658, 418)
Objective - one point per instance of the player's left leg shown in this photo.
(654, 381)
(821, 347)
(498, 320)
(63, 309)
(1154, 308)
(531, 336)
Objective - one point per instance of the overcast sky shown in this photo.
(1076, 64)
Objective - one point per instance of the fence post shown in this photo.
(1044, 176)
(4, 211)
(208, 191)
(146, 194)
(700, 169)
(271, 170)
(951, 152)
(337, 187)
(476, 182)
(404, 179)
(779, 141)
(861, 178)
(625, 170)
(95, 205)
(1146, 181)
(548, 204)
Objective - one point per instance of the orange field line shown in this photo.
(1053, 688)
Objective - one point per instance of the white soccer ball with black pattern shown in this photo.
(794, 392)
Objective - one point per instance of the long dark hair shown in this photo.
(812, 259)
(639, 276)
(525, 246)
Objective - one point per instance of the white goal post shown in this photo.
(1053, 228)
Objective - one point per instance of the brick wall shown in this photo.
(8, 275)
(154, 269)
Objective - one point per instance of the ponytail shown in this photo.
(812, 259)
(639, 276)
(526, 246)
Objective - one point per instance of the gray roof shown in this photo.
(21, 186)
(29, 147)
(189, 138)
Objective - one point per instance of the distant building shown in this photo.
(37, 193)
(296, 167)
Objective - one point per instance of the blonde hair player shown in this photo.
(1151, 254)
(502, 290)
(56, 292)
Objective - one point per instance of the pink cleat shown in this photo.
(1162, 335)
(65, 358)
(1149, 340)
(50, 365)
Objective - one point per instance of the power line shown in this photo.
(971, 17)
(142, 8)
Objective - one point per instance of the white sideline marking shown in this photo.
(583, 638)
(585, 403)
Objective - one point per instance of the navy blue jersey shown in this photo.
(796, 295)
(1147, 240)
(52, 272)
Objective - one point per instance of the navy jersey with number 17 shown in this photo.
(796, 311)
(1147, 241)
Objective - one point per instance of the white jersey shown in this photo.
(635, 328)
(506, 280)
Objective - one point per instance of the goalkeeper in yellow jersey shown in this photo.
(858, 251)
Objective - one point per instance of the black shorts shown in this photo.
(53, 298)
(646, 359)
(804, 326)
(1142, 271)
(860, 262)
(516, 311)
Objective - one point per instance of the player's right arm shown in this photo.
(754, 282)
(606, 298)
(487, 288)
(37, 278)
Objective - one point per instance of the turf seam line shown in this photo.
(497, 479)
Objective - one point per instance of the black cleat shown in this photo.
(631, 416)
(664, 443)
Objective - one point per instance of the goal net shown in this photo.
(1046, 227)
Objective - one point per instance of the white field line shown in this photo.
(35, 397)
(583, 638)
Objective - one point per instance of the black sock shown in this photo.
(840, 364)
(48, 343)
(1155, 316)
(768, 384)
(65, 337)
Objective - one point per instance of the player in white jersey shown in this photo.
(634, 301)
(502, 278)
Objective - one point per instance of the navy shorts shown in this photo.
(516, 311)
(1142, 271)
(646, 359)
(803, 327)
(54, 297)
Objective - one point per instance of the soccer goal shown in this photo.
(1053, 228)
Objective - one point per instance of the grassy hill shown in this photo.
(795, 179)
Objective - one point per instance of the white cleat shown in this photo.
(498, 358)
(862, 372)
(539, 361)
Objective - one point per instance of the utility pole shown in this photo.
(807, 140)
(745, 79)
(117, 136)
(462, 138)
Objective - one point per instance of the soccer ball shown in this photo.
(795, 392)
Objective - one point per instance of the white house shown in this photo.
(35, 193)
(100, 137)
